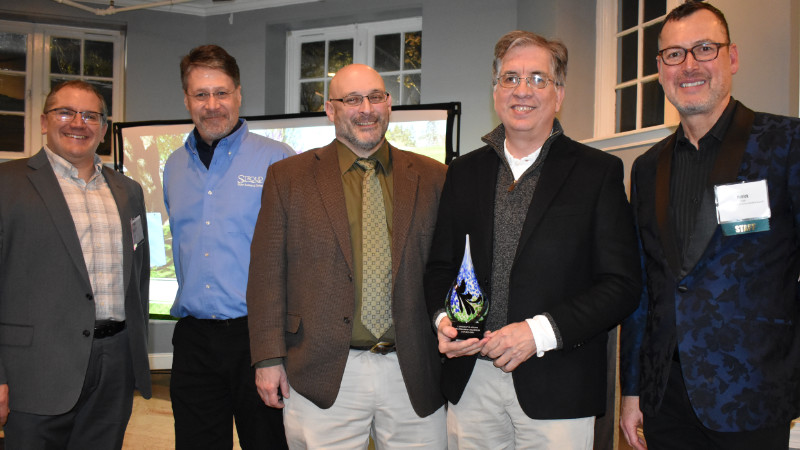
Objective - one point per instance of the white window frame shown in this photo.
(37, 80)
(606, 82)
(363, 36)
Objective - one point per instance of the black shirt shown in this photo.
(206, 152)
(691, 168)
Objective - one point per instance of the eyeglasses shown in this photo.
(202, 97)
(355, 99)
(707, 51)
(68, 115)
(512, 80)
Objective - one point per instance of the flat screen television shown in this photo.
(141, 149)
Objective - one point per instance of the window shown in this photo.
(36, 57)
(629, 97)
(393, 48)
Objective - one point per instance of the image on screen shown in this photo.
(141, 149)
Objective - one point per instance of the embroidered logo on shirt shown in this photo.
(250, 181)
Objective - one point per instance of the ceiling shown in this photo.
(198, 7)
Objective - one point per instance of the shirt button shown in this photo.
(206, 254)
(89, 297)
(683, 289)
(86, 333)
(208, 286)
(346, 320)
(209, 193)
(208, 222)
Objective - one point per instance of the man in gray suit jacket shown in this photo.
(74, 277)
(308, 325)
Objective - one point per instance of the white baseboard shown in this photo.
(160, 361)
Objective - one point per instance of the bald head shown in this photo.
(360, 127)
(353, 78)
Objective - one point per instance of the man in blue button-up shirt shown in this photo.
(212, 189)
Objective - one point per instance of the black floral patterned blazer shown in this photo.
(731, 304)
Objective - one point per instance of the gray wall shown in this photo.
(457, 49)
(765, 81)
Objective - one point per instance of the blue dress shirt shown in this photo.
(212, 215)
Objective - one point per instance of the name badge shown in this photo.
(137, 231)
(743, 207)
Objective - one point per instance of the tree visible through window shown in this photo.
(393, 48)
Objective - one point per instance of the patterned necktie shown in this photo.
(376, 262)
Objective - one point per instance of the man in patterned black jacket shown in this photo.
(710, 358)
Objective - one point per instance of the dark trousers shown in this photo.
(213, 383)
(676, 426)
(99, 418)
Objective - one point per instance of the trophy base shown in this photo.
(468, 330)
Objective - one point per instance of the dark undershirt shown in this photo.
(206, 152)
(691, 168)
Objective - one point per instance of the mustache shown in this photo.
(367, 118)
(215, 115)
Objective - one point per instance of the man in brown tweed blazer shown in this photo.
(304, 291)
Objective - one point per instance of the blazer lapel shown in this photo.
(554, 174)
(406, 182)
(725, 170)
(481, 243)
(329, 183)
(666, 233)
(44, 181)
(124, 208)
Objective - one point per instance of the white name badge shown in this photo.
(743, 207)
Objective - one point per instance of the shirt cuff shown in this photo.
(543, 334)
(438, 321)
(268, 363)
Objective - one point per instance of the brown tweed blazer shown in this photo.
(300, 294)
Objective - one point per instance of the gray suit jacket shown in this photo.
(47, 310)
(300, 294)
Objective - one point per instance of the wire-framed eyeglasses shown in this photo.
(203, 97)
(707, 51)
(355, 99)
(68, 115)
(512, 80)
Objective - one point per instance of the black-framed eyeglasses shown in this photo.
(355, 99)
(68, 115)
(707, 51)
(202, 97)
(512, 80)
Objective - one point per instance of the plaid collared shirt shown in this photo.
(97, 222)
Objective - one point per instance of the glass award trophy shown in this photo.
(465, 304)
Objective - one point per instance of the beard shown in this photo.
(215, 126)
(347, 130)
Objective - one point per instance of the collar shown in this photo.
(347, 158)
(497, 140)
(719, 129)
(65, 169)
(195, 143)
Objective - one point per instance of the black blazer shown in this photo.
(576, 260)
(46, 306)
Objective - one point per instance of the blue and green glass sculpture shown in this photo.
(466, 305)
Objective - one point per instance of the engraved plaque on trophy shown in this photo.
(466, 305)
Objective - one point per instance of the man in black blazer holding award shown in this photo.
(74, 279)
(554, 251)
